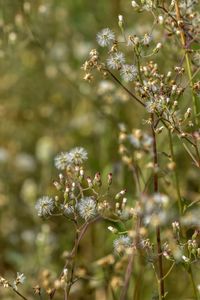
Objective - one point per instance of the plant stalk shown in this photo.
(187, 59)
(158, 234)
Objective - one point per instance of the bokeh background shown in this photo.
(46, 107)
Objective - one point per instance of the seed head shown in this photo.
(128, 72)
(116, 60)
(121, 244)
(62, 160)
(105, 37)
(78, 155)
(44, 206)
(87, 208)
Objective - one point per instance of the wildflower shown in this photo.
(153, 105)
(133, 40)
(134, 4)
(78, 155)
(160, 19)
(105, 37)
(122, 243)
(116, 60)
(87, 208)
(4, 282)
(67, 209)
(147, 39)
(157, 48)
(62, 160)
(128, 72)
(44, 206)
(120, 21)
(19, 280)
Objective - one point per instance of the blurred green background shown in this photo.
(45, 108)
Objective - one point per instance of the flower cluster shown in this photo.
(76, 156)
(79, 195)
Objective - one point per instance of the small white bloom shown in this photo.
(105, 37)
(62, 160)
(160, 19)
(120, 18)
(185, 259)
(116, 60)
(112, 229)
(87, 208)
(44, 206)
(120, 21)
(157, 48)
(122, 243)
(4, 282)
(147, 39)
(134, 4)
(128, 72)
(78, 155)
(19, 280)
(21, 277)
(159, 45)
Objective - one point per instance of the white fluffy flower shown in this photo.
(19, 280)
(105, 37)
(62, 160)
(134, 4)
(87, 208)
(122, 243)
(116, 60)
(44, 206)
(128, 72)
(78, 155)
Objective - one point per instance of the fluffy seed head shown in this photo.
(147, 39)
(116, 60)
(62, 160)
(87, 208)
(121, 244)
(78, 155)
(128, 72)
(44, 206)
(105, 37)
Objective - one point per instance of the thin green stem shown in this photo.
(175, 173)
(187, 60)
(170, 269)
(158, 234)
(193, 283)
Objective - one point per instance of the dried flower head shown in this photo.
(87, 208)
(128, 72)
(147, 39)
(116, 60)
(4, 282)
(44, 206)
(62, 160)
(78, 155)
(122, 243)
(19, 280)
(105, 37)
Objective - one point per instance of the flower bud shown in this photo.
(97, 179)
(109, 178)
(89, 181)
